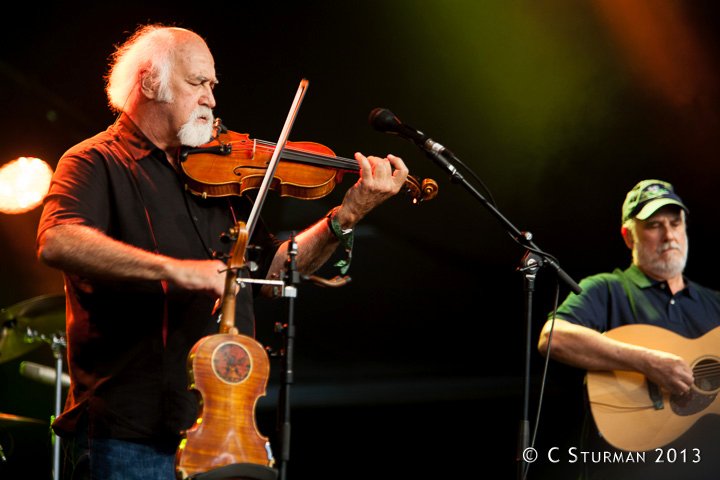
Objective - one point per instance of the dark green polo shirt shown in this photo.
(609, 300)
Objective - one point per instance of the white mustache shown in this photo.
(668, 246)
(201, 111)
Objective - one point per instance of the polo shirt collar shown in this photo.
(643, 281)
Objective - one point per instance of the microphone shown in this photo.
(383, 120)
(43, 374)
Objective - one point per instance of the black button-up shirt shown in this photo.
(128, 341)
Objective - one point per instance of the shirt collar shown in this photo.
(138, 146)
(643, 281)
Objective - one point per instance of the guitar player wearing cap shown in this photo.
(649, 339)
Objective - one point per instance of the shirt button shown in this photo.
(672, 302)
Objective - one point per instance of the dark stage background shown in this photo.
(415, 369)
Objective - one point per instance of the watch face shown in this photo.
(231, 362)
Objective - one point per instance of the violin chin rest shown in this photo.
(238, 471)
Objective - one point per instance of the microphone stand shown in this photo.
(292, 280)
(57, 344)
(533, 259)
(57, 352)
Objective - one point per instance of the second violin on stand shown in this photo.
(229, 372)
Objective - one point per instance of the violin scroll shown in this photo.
(420, 191)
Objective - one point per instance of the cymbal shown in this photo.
(26, 325)
(7, 419)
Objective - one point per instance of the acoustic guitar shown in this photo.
(634, 414)
(228, 372)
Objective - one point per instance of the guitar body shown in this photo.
(635, 415)
(230, 373)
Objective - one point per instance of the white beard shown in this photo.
(663, 268)
(194, 133)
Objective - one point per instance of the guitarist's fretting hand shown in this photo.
(668, 371)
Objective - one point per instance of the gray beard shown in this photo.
(662, 268)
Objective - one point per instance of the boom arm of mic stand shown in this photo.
(439, 157)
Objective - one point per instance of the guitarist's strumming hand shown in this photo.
(653, 392)
(669, 371)
(590, 350)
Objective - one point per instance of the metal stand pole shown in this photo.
(57, 347)
(292, 280)
(531, 263)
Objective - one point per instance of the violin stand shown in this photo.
(238, 471)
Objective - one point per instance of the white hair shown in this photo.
(148, 51)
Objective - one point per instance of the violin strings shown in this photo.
(313, 158)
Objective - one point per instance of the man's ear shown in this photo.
(628, 237)
(147, 85)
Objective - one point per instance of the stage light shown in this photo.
(24, 182)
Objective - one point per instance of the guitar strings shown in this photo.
(707, 370)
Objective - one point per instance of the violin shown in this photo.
(232, 163)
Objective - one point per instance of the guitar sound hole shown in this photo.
(707, 375)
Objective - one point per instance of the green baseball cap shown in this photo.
(647, 197)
